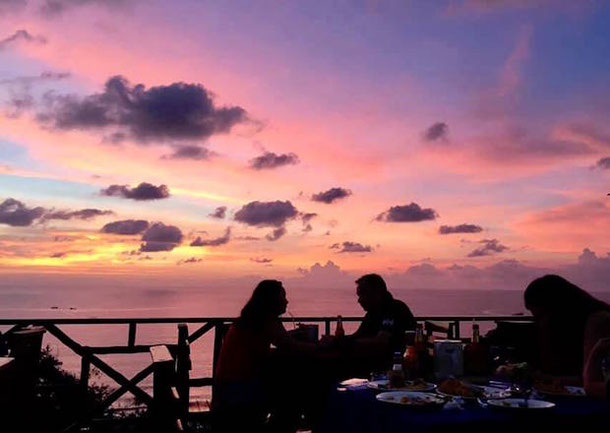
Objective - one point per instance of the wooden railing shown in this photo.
(90, 355)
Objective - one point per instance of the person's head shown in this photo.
(372, 292)
(553, 295)
(268, 300)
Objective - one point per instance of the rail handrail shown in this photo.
(89, 354)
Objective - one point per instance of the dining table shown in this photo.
(357, 410)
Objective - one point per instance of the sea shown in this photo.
(92, 302)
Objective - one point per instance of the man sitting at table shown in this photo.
(382, 331)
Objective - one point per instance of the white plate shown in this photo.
(520, 404)
(384, 385)
(412, 399)
(570, 391)
(489, 392)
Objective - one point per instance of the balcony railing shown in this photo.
(90, 355)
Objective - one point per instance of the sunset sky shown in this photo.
(442, 144)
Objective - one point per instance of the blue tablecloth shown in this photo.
(357, 411)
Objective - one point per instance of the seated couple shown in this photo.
(249, 377)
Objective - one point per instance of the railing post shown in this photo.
(131, 341)
(456, 327)
(183, 366)
(85, 368)
(219, 332)
(327, 326)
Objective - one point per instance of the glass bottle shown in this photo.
(339, 331)
(396, 376)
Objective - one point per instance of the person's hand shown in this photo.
(327, 341)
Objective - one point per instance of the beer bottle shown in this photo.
(396, 376)
(475, 354)
(339, 331)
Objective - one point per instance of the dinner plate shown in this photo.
(489, 392)
(568, 391)
(412, 399)
(520, 404)
(384, 385)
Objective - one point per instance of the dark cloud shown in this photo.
(161, 237)
(177, 111)
(352, 247)
(53, 8)
(331, 195)
(219, 213)
(437, 132)
(15, 213)
(248, 238)
(260, 260)
(83, 214)
(307, 228)
(59, 255)
(224, 239)
(21, 35)
(144, 191)
(272, 160)
(490, 246)
(197, 153)
(407, 214)
(276, 234)
(126, 227)
(191, 260)
(307, 217)
(603, 163)
(266, 214)
(462, 228)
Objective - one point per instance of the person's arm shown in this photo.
(281, 339)
(593, 379)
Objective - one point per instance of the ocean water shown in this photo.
(192, 302)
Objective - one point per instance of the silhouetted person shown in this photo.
(382, 331)
(245, 375)
(569, 323)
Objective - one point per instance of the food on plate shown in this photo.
(458, 388)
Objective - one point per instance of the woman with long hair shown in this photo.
(245, 373)
(570, 322)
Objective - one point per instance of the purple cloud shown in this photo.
(490, 247)
(219, 213)
(224, 239)
(21, 35)
(276, 234)
(161, 237)
(144, 191)
(15, 213)
(266, 214)
(352, 247)
(270, 160)
(462, 228)
(179, 111)
(263, 260)
(187, 261)
(331, 195)
(197, 153)
(603, 163)
(126, 227)
(437, 132)
(83, 214)
(407, 213)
